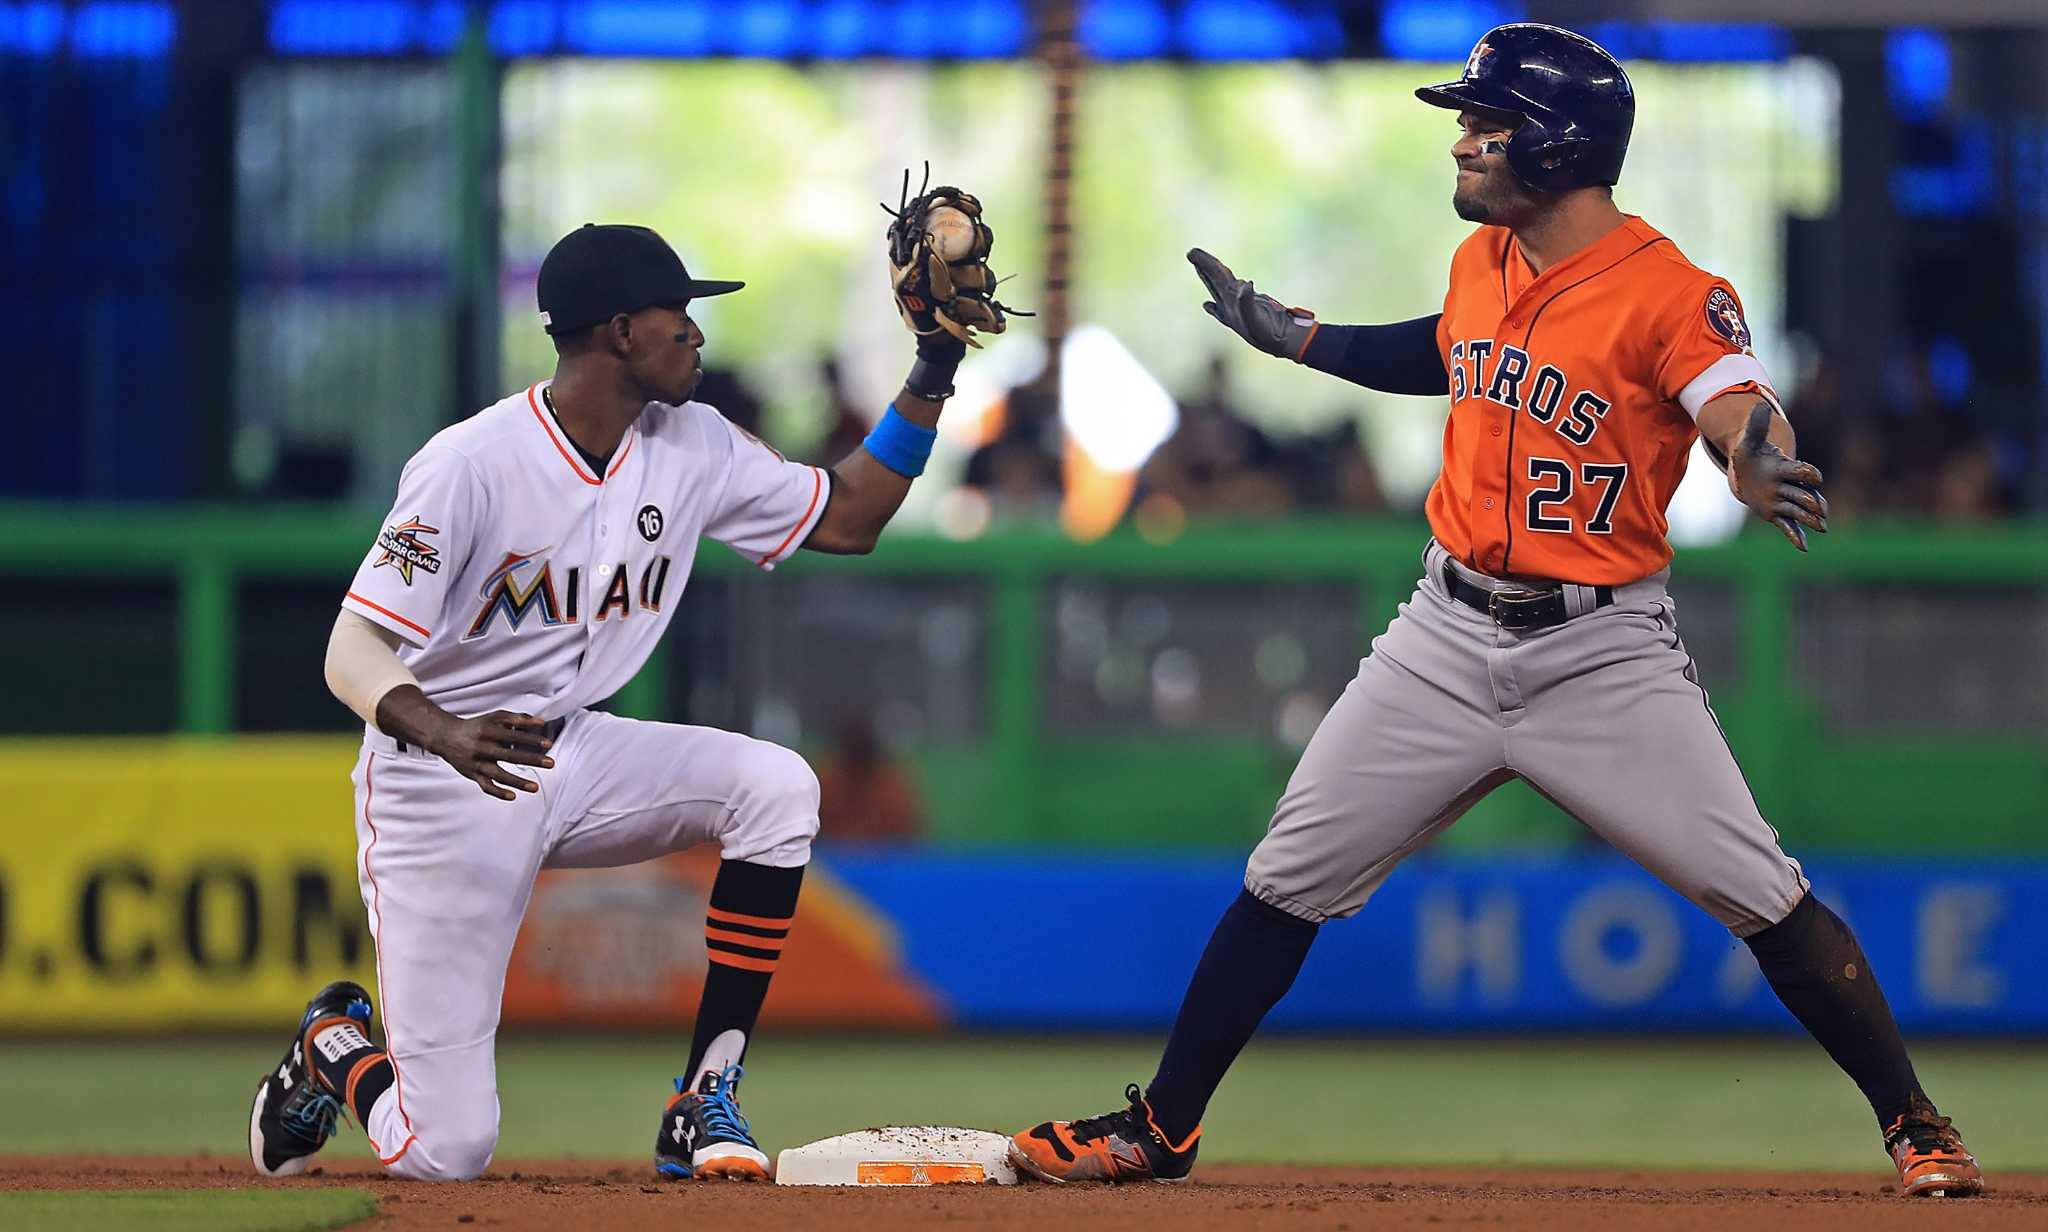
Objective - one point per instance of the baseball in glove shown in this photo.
(938, 263)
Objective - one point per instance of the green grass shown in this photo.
(191, 1210)
(1664, 1103)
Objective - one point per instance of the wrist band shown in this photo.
(900, 445)
(932, 379)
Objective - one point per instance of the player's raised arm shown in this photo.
(945, 291)
(1402, 358)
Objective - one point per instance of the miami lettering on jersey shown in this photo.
(521, 579)
(1573, 400)
(505, 594)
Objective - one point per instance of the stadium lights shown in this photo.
(117, 29)
(1113, 30)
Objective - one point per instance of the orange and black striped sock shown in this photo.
(349, 1064)
(752, 906)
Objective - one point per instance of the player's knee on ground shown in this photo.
(453, 1153)
(774, 809)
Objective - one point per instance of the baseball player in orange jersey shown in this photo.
(1582, 355)
(497, 608)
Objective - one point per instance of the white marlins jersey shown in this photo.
(522, 580)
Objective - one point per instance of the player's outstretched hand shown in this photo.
(475, 747)
(1780, 490)
(1259, 319)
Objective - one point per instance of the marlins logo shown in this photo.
(503, 592)
(406, 549)
(1725, 315)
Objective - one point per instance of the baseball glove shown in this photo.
(938, 263)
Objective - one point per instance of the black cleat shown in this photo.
(294, 1115)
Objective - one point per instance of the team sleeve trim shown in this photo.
(1726, 373)
(797, 534)
(418, 635)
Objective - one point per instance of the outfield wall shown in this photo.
(214, 884)
(1886, 693)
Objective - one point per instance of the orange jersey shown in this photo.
(1573, 397)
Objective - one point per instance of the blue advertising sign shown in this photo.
(1568, 943)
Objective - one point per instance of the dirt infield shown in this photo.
(557, 1196)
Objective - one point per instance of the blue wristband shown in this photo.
(900, 445)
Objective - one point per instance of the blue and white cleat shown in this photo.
(704, 1137)
(293, 1116)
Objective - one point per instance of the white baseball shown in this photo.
(952, 232)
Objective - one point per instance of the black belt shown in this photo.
(1519, 609)
(552, 730)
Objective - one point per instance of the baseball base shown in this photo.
(900, 1155)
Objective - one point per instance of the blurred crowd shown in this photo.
(1929, 446)
(1926, 448)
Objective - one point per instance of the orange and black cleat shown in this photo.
(1932, 1160)
(1114, 1147)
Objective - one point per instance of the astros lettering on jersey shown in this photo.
(1573, 400)
(524, 581)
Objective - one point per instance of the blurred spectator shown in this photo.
(722, 388)
(1019, 471)
(1966, 486)
(1358, 485)
(1922, 451)
(863, 797)
(1217, 463)
(1331, 471)
(849, 427)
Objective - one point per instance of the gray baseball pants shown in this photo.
(1603, 714)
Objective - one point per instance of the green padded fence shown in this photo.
(1953, 786)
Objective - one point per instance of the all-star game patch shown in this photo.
(405, 549)
(1725, 315)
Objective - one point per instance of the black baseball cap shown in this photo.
(598, 271)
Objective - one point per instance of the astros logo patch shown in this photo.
(1725, 315)
(406, 549)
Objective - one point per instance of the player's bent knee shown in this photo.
(775, 811)
(769, 772)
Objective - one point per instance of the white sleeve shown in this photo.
(363, 664)
(769, 504)
(404, 580)
(1727, 373)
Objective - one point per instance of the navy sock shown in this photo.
(1252, 959)
(1818, 970)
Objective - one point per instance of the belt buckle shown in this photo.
(1500, 605)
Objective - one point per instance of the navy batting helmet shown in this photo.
(1575, 103)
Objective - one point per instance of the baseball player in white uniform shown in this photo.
(533, 557)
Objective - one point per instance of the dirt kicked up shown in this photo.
(562, 1195)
